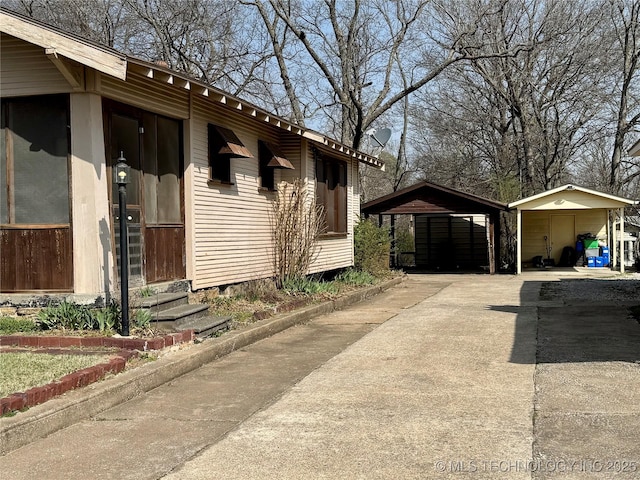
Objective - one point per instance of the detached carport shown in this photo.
(552, 220)
(453, 229)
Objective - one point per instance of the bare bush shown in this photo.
(296, 222)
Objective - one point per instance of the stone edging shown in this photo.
(80, 378)
(54, 341)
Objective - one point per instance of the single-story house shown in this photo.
(454, 230)
(552, 220)
(204, 170)
(631, 254)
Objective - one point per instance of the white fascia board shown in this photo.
(569, 187)
(99, 59)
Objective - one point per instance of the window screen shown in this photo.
(161, 169)
(168, 171)
(39, 193)
(150, 168)
(126, 141)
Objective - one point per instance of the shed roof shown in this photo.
(430, 198)
(57, 42)
(571, 197)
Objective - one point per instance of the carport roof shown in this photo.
(571, 197)
(430, 198)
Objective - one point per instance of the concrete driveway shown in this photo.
(451, 388)
(446, 376)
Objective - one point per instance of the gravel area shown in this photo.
(594, 290)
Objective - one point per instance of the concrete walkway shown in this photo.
(445, 376)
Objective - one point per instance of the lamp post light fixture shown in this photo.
(121, 173)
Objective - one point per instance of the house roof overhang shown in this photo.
(59, 43)
(634, 151)
(430, 198)
(571, 197)
(113, 63)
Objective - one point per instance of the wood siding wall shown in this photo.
(232, 230)
(230, 237)
(141, 92)
(337, 252)
(36, 259)
(536, 225)
(163, 263)
(27, 71)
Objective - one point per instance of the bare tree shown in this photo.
(625, 23)
(203, 38)
(103, 21)
(526, 116)
(355, 49)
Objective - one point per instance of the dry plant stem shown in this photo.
(296, 224)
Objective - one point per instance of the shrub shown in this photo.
(67, 316)
(307, 286)
(405, 242)
(352, 276)
(146, 292)
(108, 318)
(13, 325)
(296, 222)
(142, 319)
(372, 245)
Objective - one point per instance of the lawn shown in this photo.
(22, 371)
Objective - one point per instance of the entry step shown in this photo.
(205, 326)
(164, 301)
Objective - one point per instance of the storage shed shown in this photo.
(454, 230)
(552, 220)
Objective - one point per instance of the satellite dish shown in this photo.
(381, 136)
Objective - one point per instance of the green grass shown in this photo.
(22, 371)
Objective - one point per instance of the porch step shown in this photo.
(173, 312)
(164, 301)
(205, 326)
(181, 313)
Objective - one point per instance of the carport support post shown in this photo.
(394, 254)
(492, 239)
(519, 243)
(621, 257)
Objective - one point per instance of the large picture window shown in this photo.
(34, 171)
(331, 191)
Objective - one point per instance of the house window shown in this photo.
(271, 158)
(34, 172)
(331, 192)
(223, 146)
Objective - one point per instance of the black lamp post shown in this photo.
(121, 177)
